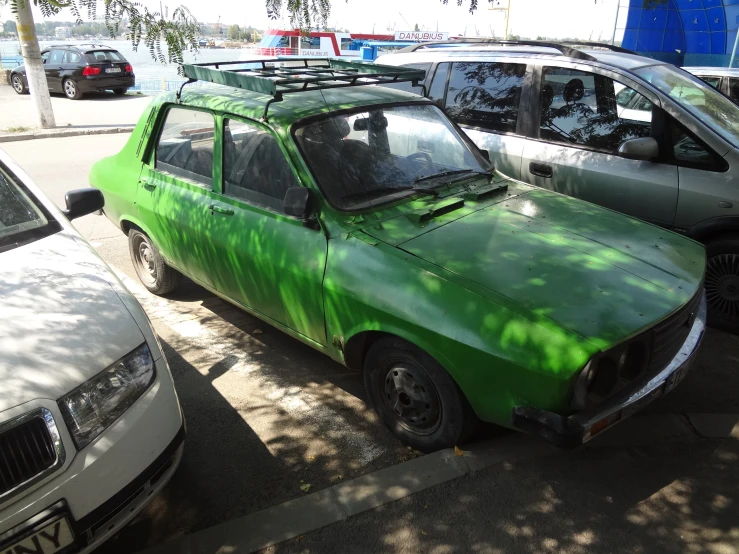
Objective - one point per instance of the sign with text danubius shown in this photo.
(422, 36)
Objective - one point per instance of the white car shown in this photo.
(90, 423)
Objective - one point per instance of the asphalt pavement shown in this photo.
(95, 110)
(271, 420)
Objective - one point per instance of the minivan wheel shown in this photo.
(18, 86)
(71, 90)
(153, 272)
(722, 284)
(415, 396)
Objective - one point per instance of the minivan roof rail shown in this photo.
(562, 47)
(278, 76)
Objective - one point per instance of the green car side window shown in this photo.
(185, 146)
(254, 166)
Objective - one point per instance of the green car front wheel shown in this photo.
(416, 397)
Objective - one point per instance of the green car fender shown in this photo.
(499, 354)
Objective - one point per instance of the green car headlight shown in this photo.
(93, 406)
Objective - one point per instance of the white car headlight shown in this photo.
(93, 406)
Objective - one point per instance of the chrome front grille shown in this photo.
(30, 449)
(669, 335)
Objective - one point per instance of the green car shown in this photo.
(362, 221)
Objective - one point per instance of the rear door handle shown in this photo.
(542, 170)
(221, 209)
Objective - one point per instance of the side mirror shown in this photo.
(644, 148)
(297, 202)
(360, 124)
(82, 202)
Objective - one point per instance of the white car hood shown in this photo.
(61, 321)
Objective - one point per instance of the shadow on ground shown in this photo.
(268, 415)
(673, 498)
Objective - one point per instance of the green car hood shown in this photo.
(602, 275)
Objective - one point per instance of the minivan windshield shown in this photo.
(364, 158)
(22, 220)
(696, 96)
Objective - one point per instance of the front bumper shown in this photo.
(581, 427)
(100, 488)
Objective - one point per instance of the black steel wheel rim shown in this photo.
(144, 260)
(411, 396)
(722, 285)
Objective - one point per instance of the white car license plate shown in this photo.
(54, 537)
(112, 69)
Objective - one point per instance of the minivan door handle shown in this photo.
(542, 170)
(221, 209)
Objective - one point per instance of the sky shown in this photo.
(582, 19)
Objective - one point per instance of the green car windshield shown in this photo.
(696, 96)
(377, 155)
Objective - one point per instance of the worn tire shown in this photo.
(426, 381)
(120, 91)
(722, 283)
(71, 90)
(152, 270)
(16, 81)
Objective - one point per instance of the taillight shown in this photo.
(90, 70)
(129, 68)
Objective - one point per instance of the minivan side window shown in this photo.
(438, 85)
(407, 86)
(590, 110)
(485, 94)
(713, 81)
(734, 89)
(185, 147)
(254, 167)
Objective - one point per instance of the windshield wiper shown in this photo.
(449, 172)
(392, 189)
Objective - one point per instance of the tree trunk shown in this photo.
(34, 65)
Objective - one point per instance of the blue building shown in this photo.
(683, 32)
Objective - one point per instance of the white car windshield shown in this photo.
(373, 156)
(21, 219)
(696, 96)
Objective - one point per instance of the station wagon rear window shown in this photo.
(105, 56)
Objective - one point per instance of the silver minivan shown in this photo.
(605, 125)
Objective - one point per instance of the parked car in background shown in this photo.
(90, 424)
(723, 79)
(75, 70)
(607, 126)
(361, 221)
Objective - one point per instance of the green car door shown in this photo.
(175, 191)
(264, 259)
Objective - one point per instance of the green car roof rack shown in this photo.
(279, 76)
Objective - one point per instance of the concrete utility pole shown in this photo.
(35, 74)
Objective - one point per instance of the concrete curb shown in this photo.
(337, 503)
(64, 132)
